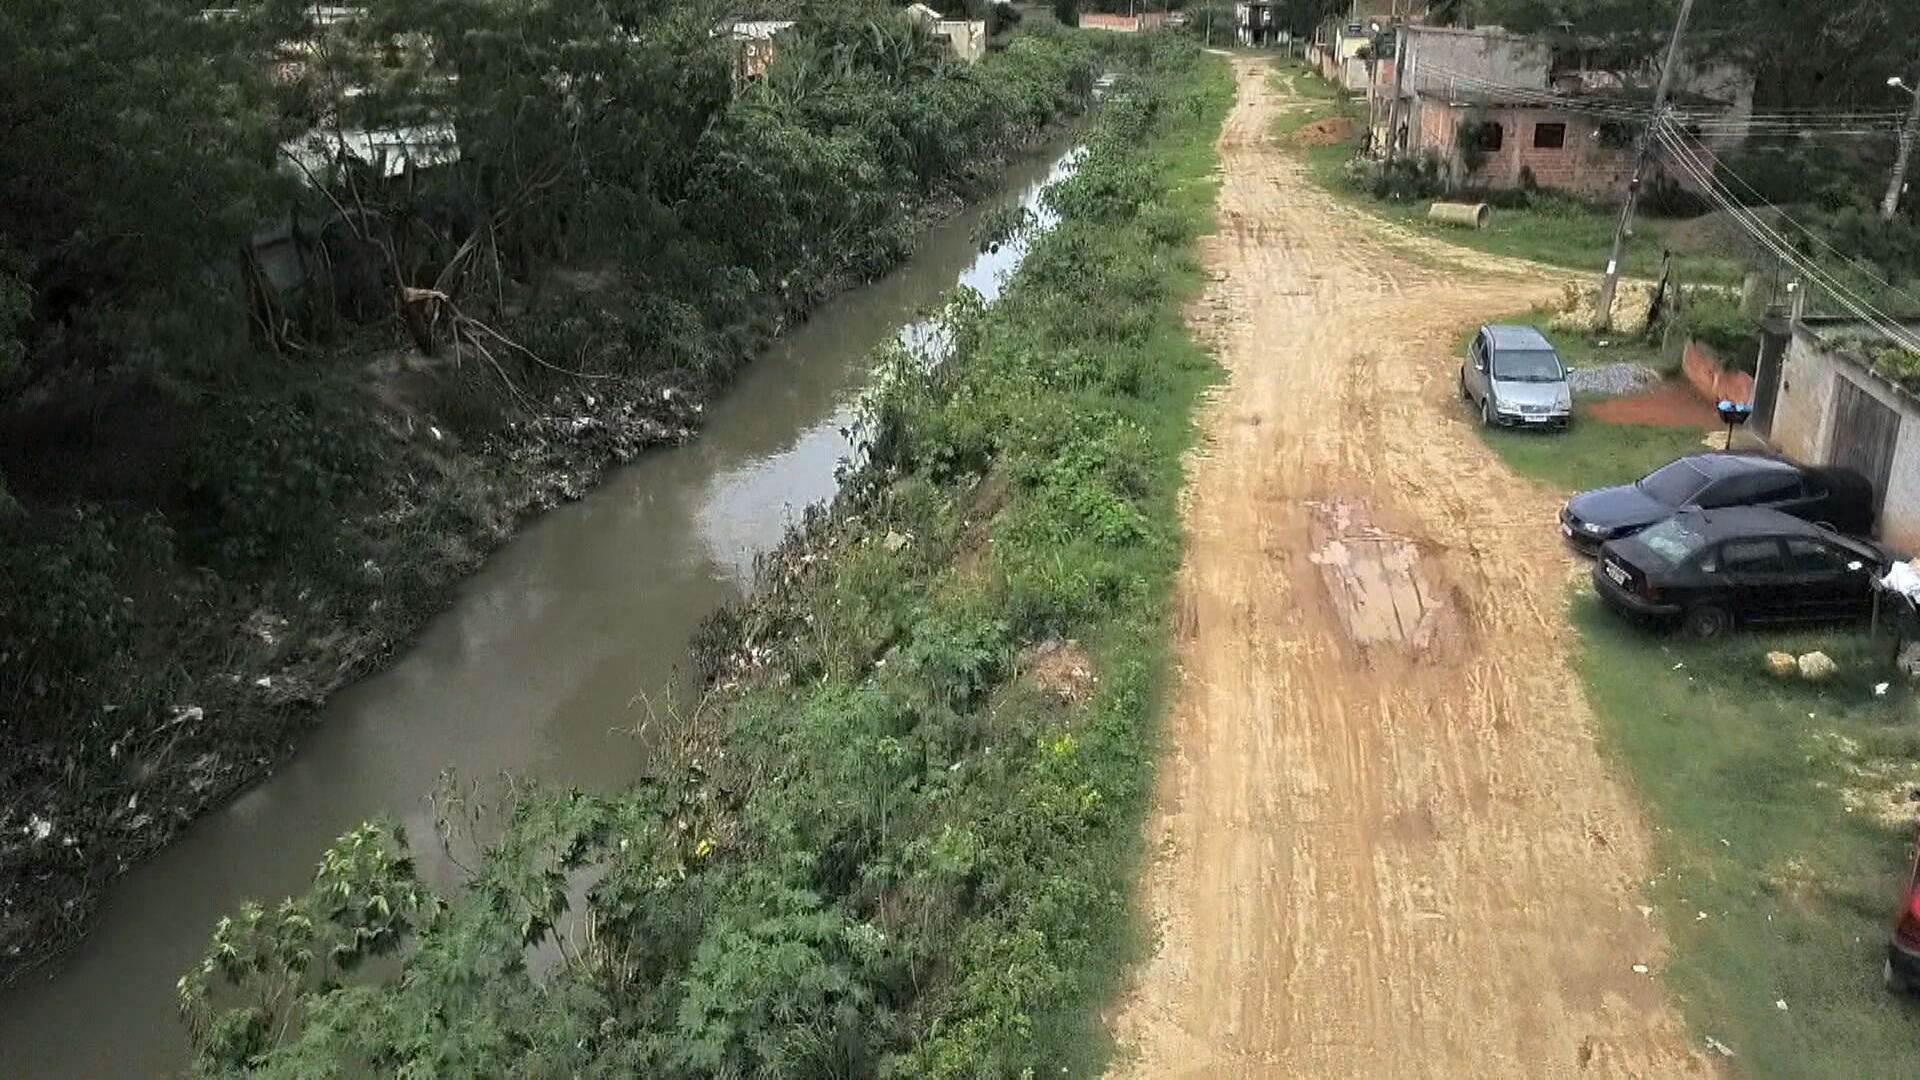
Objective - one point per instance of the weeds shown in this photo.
(894, 857)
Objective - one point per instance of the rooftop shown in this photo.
(1507, 336)
(1558, 99)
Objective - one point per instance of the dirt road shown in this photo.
(1385, 842)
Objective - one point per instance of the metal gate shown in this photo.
(1766, 377)
(1864, 433)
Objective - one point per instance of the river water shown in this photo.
(536, 670)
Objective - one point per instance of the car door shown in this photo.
(1479, 363)
(1754, 579)
(1832, 582)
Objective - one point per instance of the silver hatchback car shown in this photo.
(1515, 378)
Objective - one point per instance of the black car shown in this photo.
(1838, 498)
(1712, 570)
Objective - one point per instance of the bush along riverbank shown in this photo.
(205, 529)
(898, 837)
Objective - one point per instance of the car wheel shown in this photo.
(1895, 982)
(1708, 621)
(1465, 394)
(1486, 411)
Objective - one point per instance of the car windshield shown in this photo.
(1673, 485)
(1672, 541)
(1527, 365)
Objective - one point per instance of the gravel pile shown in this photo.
(1613, 380)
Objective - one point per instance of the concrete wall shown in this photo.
(1490, 54)
(1803, 426)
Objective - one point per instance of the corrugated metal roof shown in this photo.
(390, 150)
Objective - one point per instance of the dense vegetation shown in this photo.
(265, 391)
(900, 841)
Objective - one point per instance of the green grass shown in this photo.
(1581, 350)
(1592, 454)
(1556, 231)
(1559, 232)
(1749, 784)
(1324, 99)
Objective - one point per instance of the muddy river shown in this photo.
(541, 667)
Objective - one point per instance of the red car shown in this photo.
(1902, 970)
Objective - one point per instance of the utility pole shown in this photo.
(1400, 52)
(1603, 315)
(1890, 205)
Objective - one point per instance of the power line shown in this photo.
(1720, 168)
(1760, 231)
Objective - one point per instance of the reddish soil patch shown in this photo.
(1326, 132)
(1671, 404)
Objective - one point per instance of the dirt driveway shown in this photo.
(1385, 844)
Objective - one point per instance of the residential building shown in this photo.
(1259, 22)
(1501, 110)
(1819, 399)
(966, 39)
(1124, 24)
(755, 43)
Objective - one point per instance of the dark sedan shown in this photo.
(1712, 570)
(1838, 498)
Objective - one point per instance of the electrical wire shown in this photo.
(1860, 123)
(1698, 150)
(1764, 234)
(1454, 81)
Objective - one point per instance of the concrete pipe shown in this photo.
(1465, 215)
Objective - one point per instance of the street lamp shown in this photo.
(1909, 131)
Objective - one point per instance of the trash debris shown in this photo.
(896, 541)
(38, 828)
(1781, 1004)
(1718, 1047)
(1782, 665)
(1817, 667)
(264, 682)
(1641, 969)
(1880, 689)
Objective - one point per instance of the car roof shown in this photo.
(1727, 464)
(1509, 336)
(1733, 522)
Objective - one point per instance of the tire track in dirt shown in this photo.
(1386, 844)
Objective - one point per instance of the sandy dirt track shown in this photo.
(1384, 843)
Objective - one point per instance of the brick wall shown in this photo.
(1581, 165)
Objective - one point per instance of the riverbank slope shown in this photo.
(899, 835)
(190, 569)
